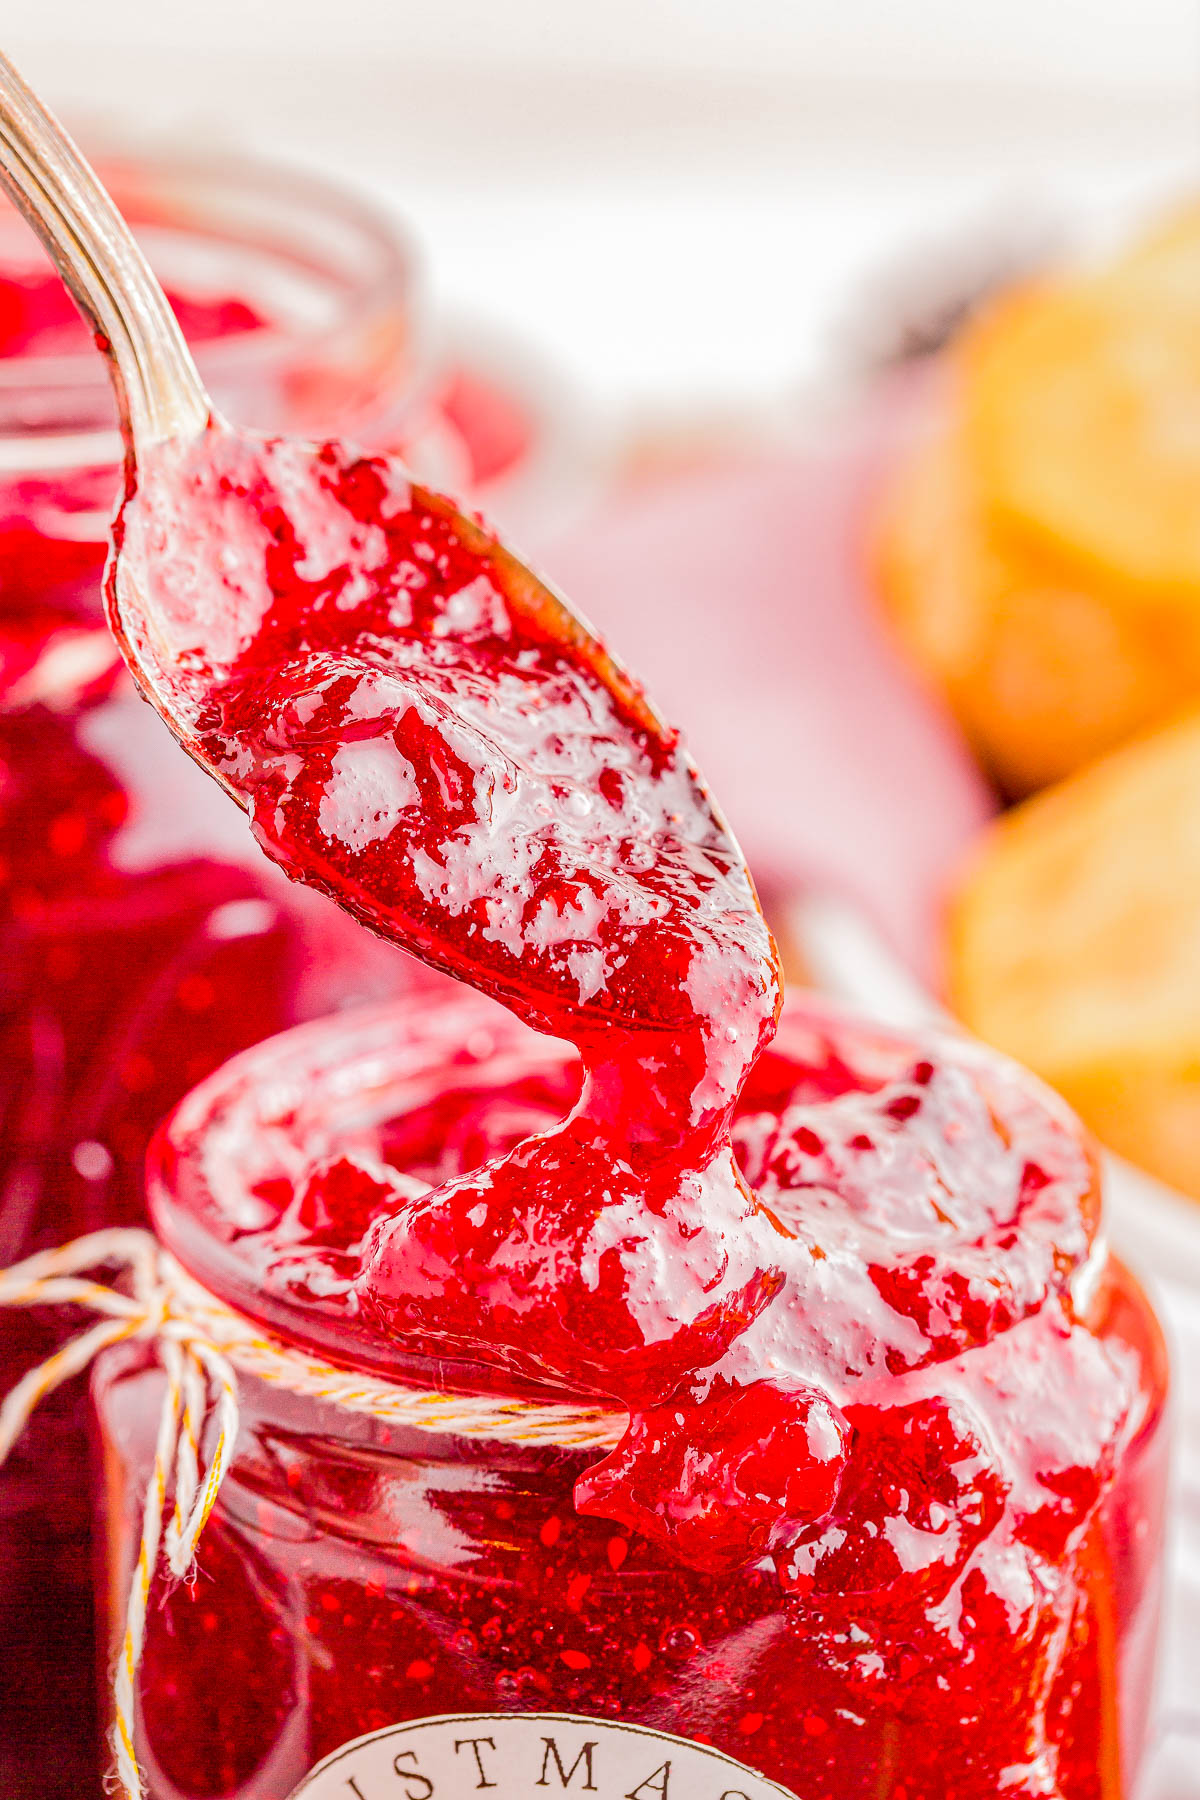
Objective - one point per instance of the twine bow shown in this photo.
(200, 1383)
(201, 1344)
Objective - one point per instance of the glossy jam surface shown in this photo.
(870, 1374)
(415, 728)
(963, 1600)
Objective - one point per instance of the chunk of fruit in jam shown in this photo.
(920, 1493)
(734, 1471)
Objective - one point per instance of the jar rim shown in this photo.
(283, 1105)
(56, 410)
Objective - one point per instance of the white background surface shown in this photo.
(673, 197)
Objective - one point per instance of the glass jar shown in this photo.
(143, 936)
(978, 1619)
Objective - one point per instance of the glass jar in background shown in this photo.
(982, 1612)
(143, 936)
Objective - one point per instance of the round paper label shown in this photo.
(525, 1756)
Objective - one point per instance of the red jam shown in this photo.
(883, 1519)
(497, 431)
(39, 317)
(962, 1597)
(419, 730)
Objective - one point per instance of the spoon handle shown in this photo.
(159, 392)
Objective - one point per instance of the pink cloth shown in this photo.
(738, 593)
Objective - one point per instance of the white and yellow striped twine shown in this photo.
(201, 1345)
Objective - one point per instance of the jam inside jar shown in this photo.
(143, 936)
(969, 1611)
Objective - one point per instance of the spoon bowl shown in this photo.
(414, 720)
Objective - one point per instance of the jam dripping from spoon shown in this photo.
(418, 726)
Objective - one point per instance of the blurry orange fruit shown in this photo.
(1043, 673)
(1075, 946)
(1083, 419)
(1043, 562)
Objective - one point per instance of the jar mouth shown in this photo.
(337, 282)
(358, 1098)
